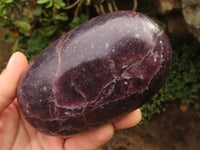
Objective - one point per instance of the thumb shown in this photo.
(9, 79)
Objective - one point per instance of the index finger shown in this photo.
(9, 79)
(128, 121)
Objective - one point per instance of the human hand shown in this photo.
(17, 134)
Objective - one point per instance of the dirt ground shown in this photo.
(5, 48)
(171, 130)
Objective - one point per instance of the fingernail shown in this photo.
(11, 61)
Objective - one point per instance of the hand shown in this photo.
(17, 134)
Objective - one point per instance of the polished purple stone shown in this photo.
(95, 74)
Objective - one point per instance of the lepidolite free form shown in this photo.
(95, 74)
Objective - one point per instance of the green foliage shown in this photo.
(23, 26)
(52, 3)
(7, 17)
(61, 16)
(47, 31)
(146, 6)
(35, 25)
(184, 80)
(77, 21)
(188, 80)
(160, 23)
(36, 43)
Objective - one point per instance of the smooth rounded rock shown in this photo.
(95, 74)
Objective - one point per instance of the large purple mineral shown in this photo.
(95, 74)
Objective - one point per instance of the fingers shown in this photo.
(9, 123)
(95, 138)
(128, 121)
(90, 140)
(9, 79)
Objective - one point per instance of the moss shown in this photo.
(183, 82)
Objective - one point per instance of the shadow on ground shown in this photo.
(171, 130)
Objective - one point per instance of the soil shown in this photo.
(5, 48)
(176, 129)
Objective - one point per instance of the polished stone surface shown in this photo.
(95, 73)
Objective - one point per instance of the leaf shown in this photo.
(8, 1)
(19, 6)
(78, 21)
(4, 12)
(59, 4)
(38, 11)
(37, 44)
(61, 16)
(47, 31)
(161, 24)
(50, 4)
(23, 26)
(12, 16)
(83, 18)
(42, 1)
(4, 23)
(24, 18)
(195, 88)
(15, 45)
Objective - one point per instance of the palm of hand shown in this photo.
(17, 134)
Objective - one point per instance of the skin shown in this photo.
(16, 133)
